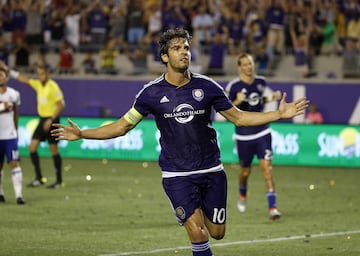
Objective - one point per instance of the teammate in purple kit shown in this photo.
(193, 176)
(247, 93)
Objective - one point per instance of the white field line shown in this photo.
(279, 239)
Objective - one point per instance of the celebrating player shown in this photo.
(193, 175)
(9, 117)
(247, 93)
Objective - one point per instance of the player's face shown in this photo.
(179, 55)
(3, 78)
(246, 66)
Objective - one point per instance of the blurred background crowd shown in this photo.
(89, 36)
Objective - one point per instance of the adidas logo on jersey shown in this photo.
(164, 99)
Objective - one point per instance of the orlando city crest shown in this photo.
(198, 94)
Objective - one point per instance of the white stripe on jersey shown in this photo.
(218, 168)
(155, 81)
(252, 136)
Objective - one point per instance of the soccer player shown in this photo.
(9, 117)
(247, 93)
(50, 104)
(193, 175)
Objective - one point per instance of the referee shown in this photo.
(50, 104)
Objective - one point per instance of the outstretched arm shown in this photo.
(285, 110)
(116, 129)
(73, 132)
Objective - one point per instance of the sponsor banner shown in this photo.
(338, 102)
(293, 144)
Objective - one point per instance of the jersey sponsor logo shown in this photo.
(254, 99)
(164, 99)
(184, 113)
(198, 94)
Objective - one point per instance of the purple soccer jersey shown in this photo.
(253, 140)
(254, 101)
(183, 116)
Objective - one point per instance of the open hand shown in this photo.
(64, 132)
(294, 108)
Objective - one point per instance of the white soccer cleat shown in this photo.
(241, 205)
(274, 214)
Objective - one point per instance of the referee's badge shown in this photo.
(198, 94)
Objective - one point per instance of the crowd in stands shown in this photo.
(268, 29)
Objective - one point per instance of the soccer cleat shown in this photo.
(274, 214)
(56, 185)
(2, 199)
(241, 205)
(36, 183)
(20, 200)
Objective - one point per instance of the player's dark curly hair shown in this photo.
(170, 34)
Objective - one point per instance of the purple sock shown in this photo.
(271, 197)
(201, 249)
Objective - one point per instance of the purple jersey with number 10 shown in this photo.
(183, 116)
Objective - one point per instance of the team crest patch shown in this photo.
(180, 212)
(198, 94)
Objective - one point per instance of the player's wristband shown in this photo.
(133, 116)
(2, 106)
(14, 74)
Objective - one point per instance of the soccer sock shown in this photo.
(201, 249)
(1, 182)
(58, 166)
(242, 191)
(36, 163)
(271, 197)
(16, 176)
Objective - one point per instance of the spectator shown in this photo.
(18, 20)
(97, 20)
(217, 56)
(275, 20)
(22, 54)
(353, 29)
(35, 10)
(300, 45)
(108, 56)
(203, 24)
(262, 62)
(175, 16)
(56, 24)
(236, 33)
(138, 58)
(118, 25)
(135, 22)
(66, 59)
(329, 32)
(4, 50)
(351, 67)
(89, 63)
(314, 116)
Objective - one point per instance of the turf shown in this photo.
(122, 210)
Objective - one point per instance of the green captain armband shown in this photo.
(133, 116)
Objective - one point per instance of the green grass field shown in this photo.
(122, 210)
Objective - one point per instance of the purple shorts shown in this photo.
(207, 191)
(260, 147)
